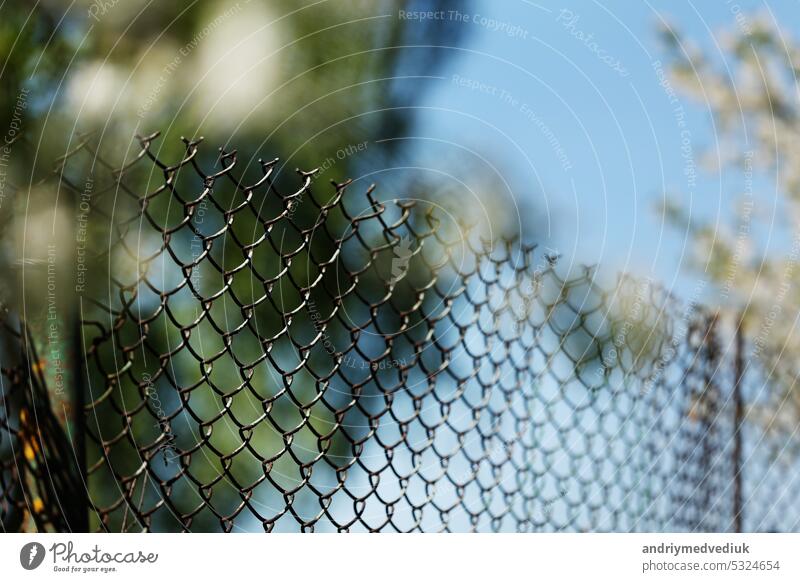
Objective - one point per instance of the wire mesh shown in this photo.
(321, 360)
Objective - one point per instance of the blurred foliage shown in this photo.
(315, 83)
(300, 80)
(751, 253)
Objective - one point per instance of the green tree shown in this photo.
(315, 84)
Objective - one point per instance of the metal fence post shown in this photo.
(710, 402)
(80, 516)
(79, 419)
(737, 425)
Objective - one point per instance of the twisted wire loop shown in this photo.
(322, 360)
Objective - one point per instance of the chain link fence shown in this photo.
(256, 356)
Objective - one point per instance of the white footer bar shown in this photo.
(401, 558)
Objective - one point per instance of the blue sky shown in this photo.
(591, 145)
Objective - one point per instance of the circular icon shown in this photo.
(31, 555)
